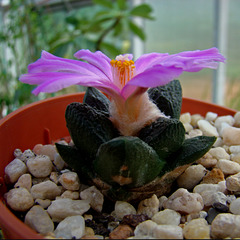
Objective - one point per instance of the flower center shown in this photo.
(123, 70)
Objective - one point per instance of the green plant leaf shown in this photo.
(105, 3)
(136, 30)
(122, 4)
(142, 10)
(127, 161)
(168, 98)
(191, 150)
(110, 49)
(88, 127)
(165, 136)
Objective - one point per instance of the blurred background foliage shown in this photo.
(28, 28)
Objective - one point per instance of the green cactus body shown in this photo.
(126, 167)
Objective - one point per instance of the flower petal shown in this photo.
(51, 63)
(148, 60)
(97, 59)
(193, 61)
(52, 82)
(157, 75)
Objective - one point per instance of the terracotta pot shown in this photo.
(43, 122)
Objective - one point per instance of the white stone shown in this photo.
(74, 195)
(45, 190)
(235, 206)
(220, 187)
(235, 157)
(188, 127)
(197, 229)
(237, 119)
(218, 142)
(38, 219)
(231, 136)
(58, 162)
(233, 182)
(62, 208)
(149, 206)
(49, 150)
(162, 199)
(195, 118)
(167, 217)
(195, 133)
(19, 199)
(234, 149)
(94, 197)
(219, 153)
(17, 153)
(211, 117)
(27, 154)
(224, 119)
(123, 208)
(150, 228)
(40, 166)
(14, 170)
(210, 197)
(44, 203)
(207, 128)
(192, 176)
(193, 202)
(225, 225)
(24, 181)
(72, 227)
(185, 118)
(70, 181)
(228, 166)
(207, 160)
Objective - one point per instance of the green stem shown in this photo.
(104, 33)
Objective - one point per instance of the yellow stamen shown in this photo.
(123, 71)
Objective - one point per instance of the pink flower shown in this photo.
(124, 80)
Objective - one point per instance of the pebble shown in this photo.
(49, 150)
(72, 227)
(207, 128)
(197, 229)
(44, 203)
(213, 177)
(237, 119)
(195, 133)
(40, 166)
(195, 118)
(70, 181)
(235, 206)
(58, 162)
(62, 208)
(121, 232)
(233, 182)
(220, 187)
(27, 154)
(228, 166)
(207, 161)
(235, 157)
(74, 195)
(210, 197)
(225, 225)
(123, 208)
(24, 181)
(167, 217)
(14, 170)
(193, 202)
(94, 196)
(19, 199)
(38, 219)
(152, 229)
(192, 176)
(219, 153)
(211, 117)
(149, 206)
(231, 136)
(228, 119)
(185, 118)
(45, 190)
